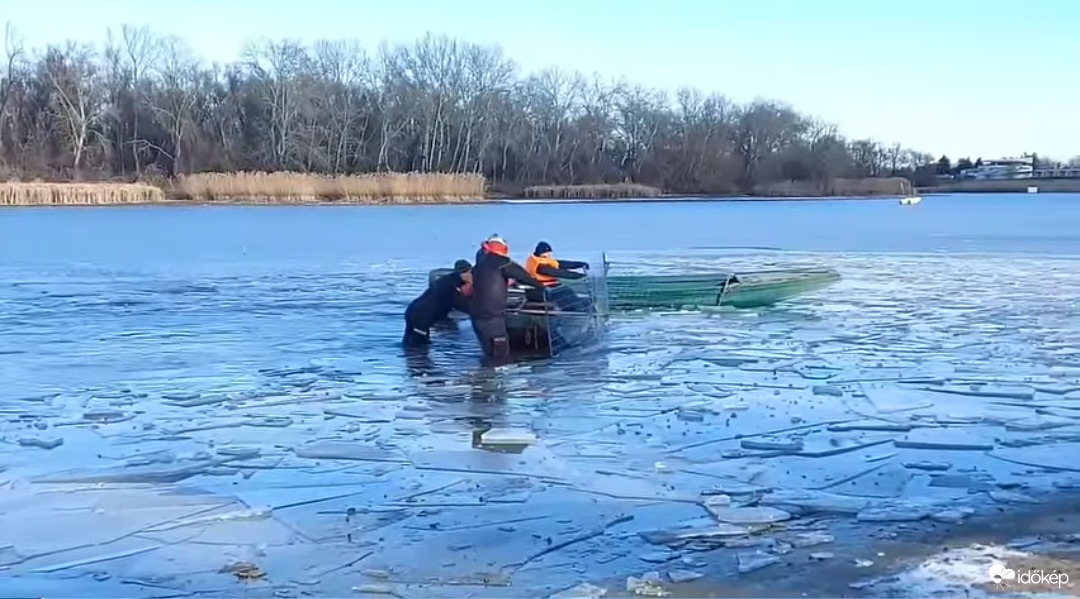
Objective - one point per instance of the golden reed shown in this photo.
(853, 188)
(78, 194)
(599, 190)
(373, 188)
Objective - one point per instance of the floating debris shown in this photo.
(736, 488)
(1012, 497)
(974, 481)
(748, 515)
(180, 396)
(897, 512)
(811, 539)
(259, 513)
(41, 442)
(106, 416)
(681, 576)
(1039, 423)
(772, 444)
(989, 391)
(809, 501)
(1057, 389)
(821, 555)
(929, 466)
(375, 589)
(196, 401)
(1024, 543)
(690, 415)
(705, 533)
(245, 571)
(659, 557)
(750, 562)
(242, 453)
(827, 390)
(377, 574)
(648, 585)
(870, 425)
(581, 591)
(342, 450)
(952, 516)
(943, 439)
(138, 474)
(508, 436)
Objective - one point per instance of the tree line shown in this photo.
(141, 106)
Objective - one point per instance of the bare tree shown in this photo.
(278, 70)
(77, 99)
(147, 104)
(174, 100)
(13, 54)
(764, 128)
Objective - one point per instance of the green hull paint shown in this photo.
(747, 290)
(750, 289)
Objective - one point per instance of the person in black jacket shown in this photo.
(435, 304)
(491, 276)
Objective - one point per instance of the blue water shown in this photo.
(286, 321)
(208, 239)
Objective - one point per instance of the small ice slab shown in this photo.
(944, 439)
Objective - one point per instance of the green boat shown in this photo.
(747, 289)
(752, 289)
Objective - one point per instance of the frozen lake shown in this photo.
(186, 389)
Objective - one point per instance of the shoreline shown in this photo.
(674, 199)
(172, 199)
(489, 201)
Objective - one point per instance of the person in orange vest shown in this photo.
(546, 269)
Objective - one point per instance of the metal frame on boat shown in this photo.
(545, 329)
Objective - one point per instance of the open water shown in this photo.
(211, 401)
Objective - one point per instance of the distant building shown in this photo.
(1005, 168)
(1058, 172)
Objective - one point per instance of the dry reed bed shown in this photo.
(600, 190)
(78, 194)
(303, 187)
(836, 188)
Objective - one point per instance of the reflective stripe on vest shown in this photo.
(533, 264)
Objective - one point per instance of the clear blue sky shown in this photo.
(964, 77)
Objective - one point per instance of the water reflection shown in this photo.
(418, 362)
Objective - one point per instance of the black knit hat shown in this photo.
(462, 266)
(542, 248)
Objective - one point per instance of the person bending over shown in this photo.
(435, 303)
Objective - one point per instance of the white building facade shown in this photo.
(1004, 168)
